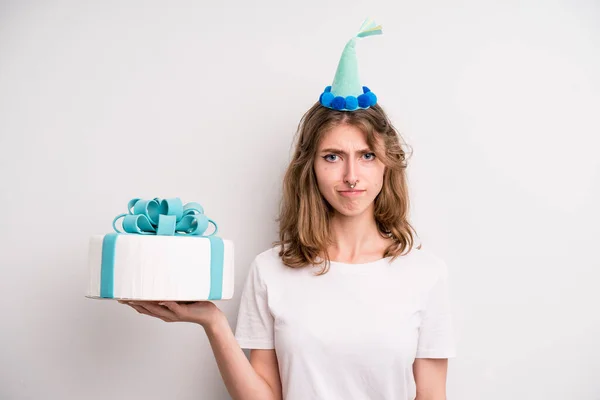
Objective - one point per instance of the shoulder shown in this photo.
(268, 264)
(268, 257)
(425, 263)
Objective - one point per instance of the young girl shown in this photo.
(344, 306)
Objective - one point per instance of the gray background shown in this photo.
(101, 102)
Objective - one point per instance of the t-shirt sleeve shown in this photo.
(436, 337)
(254, 328)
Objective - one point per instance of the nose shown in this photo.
(350, 173)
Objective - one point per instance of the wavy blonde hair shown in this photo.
(304, 232)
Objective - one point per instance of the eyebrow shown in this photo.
(342, 152)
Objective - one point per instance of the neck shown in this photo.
(356, 239)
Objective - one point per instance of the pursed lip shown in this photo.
(351, 192)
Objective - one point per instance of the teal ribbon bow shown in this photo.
(168, 217)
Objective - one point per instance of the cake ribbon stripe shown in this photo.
(107, 268)
(217, 251)
(167, 217)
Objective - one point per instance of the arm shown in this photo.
(255, 380)
(266, 365)
(258, 379)
(430, 378)
(436, 341)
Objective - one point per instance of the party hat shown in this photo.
(346, 93)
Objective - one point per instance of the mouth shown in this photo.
(351, 192)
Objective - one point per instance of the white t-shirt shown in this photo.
(352, 333)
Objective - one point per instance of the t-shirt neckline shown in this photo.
(364, 266)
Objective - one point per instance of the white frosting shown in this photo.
(150, 267)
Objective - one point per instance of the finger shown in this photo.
(139, 309)
(175, 308)
(143, 310)
(159, 311)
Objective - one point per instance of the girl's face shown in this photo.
(343, 159)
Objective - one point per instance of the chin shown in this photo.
(349, 212)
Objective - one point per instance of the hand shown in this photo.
(200, 312)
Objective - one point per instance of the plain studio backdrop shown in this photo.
(101, 102)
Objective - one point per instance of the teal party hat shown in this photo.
(346, 92)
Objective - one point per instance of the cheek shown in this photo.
(326, 175)
(376, 176)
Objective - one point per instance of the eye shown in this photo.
(330, 157)
(369, 156)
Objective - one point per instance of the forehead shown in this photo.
(344, 136)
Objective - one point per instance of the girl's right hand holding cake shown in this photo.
(204, 313)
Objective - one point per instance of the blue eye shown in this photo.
(328, 157)
(369, 156)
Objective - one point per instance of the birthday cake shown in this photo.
(163, 253)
